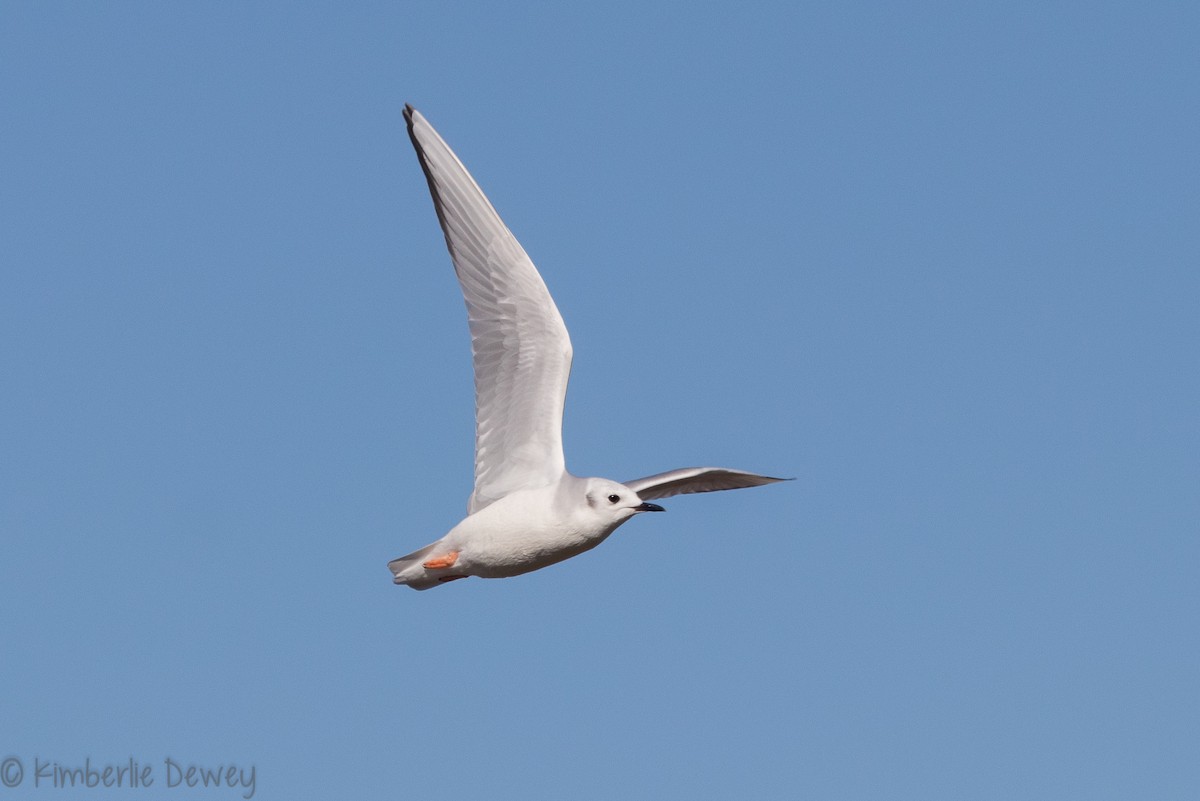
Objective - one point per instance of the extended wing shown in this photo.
(520, 347)
(696, 479)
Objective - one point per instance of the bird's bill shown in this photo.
(648, 507)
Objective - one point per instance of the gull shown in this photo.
(526, 511)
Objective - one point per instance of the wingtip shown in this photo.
(409, 114)
(773, 479)
(768, 479)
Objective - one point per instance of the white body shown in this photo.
(526, 511)
(524, 531)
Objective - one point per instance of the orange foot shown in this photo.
(439, 562)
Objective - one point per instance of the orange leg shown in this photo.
(439, 562)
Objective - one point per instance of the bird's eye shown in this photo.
(614, 498)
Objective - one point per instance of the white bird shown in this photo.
(526, 511)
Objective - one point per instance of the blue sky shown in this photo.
(939, 262)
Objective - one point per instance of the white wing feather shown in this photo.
(520, 347)
(696, 479)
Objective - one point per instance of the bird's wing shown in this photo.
(696, 479)
(521, 350)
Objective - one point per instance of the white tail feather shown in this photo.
(409, 569)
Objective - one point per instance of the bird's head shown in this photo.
(615, 502)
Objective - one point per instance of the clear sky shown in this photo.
(940, 262)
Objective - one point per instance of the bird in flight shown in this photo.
(526, 511)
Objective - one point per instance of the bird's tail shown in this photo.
(409, 570)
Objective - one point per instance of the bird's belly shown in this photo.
(504, 556)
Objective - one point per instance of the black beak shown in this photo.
(649, 507)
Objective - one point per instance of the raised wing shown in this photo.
(696, 479)
(521, 350)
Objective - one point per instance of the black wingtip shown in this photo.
(408, 123)
(767, 480)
